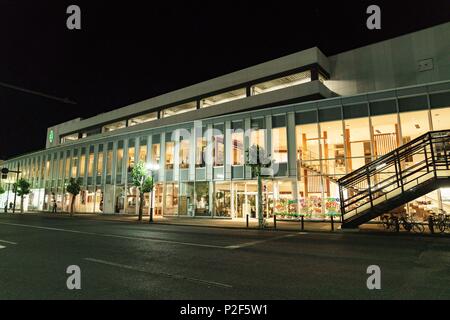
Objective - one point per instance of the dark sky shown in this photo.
(128, 51)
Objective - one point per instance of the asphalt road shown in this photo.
(139, 261)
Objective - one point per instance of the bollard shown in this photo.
(274, 221)
(247, 221)
(332, 223)
(303, 223)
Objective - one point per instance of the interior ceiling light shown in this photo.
(417, 126)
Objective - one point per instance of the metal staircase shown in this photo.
(403, 175)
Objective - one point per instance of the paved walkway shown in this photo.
(213, 222)
(309, 226)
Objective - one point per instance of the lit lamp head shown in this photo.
(152, 167)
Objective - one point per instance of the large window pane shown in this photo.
(202, 199)
(237, 145)
(171, 205)
(279, 145)
(332, 144)
(200, 148)
(386, 134)
(357, 139)
(170, 154)
(184, 154)
(414, 124)
(219, 146)
(172, 111)
(441, 119)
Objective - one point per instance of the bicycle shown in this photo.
(390, 222)
(409, 224)
(444, 222)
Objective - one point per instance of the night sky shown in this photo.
(129, 51)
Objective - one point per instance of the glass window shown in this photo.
(358, 143)
(333, 154)
(171, 207)
(143, 118)
(61, 167)
(414, 124)
(202, 199)
(109, 160)
(83, 162)
(184, 154)
(47, 167)
(67, 171)
(237, 144)
(156, 153)
(279, 145)
(308, 147)
(201, 145)
(131, 155)
(224, 97)
(172, 111)
(186, 205)
(114, 126)
(74, 164)
(222, 200)
(170, 154)
(441, 118)
(218, 145)
(119, 166)
(386, 134)
(69, 138)
(143, 150)
(281, 83)
(91, 162)
(100, 163)
(258, 133)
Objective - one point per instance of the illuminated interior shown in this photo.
(224, 97)
(281, 83)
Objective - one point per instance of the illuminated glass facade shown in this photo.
(202, 171)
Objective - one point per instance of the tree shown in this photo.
(143, 182)
(2, 190)
(21, 188)
(257, 159)
(74, 188)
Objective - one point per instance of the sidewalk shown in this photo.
(309, 226)
(292, 226)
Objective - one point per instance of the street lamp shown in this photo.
(151, 167)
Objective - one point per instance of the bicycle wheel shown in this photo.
(418, 228)
(441, 226)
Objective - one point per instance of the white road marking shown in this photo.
(253, 243)
(8, 242)
(115, 236)
(178, 277)
(230, 247)
(2, 247)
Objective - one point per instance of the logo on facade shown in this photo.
(51, 136)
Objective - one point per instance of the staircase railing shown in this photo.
(410, 165)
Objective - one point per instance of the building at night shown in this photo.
(319, 117)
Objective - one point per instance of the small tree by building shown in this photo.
(143, 182)
(74, 188)
(21, 188)
(257, 159)
(2, 190)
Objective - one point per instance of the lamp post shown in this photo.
(151, 167)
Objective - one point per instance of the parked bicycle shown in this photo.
(390, 222)
(444, 222)
(408, 224)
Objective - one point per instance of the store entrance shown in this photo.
(246, 204)
(245, 199)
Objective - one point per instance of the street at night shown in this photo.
(126, 260)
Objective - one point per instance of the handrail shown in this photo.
(388, 173)
(383, 158)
